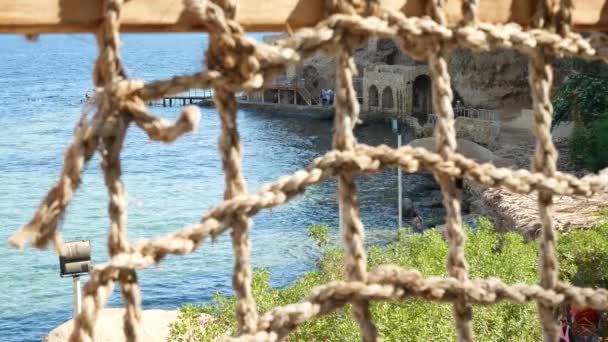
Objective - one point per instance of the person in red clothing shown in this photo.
(585, 327)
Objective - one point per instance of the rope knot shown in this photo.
(230, 51)
(233, 56)
(364, 8)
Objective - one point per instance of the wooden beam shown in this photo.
(56, 16)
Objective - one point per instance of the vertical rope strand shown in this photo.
(469, 11)
(545, 159)
(545, 154)
(96, 293)
(131, 295)
(222, 57)
(111, 166)
(231, 151)
(434, 8)
(108, 71)
(543, 14)
(564, 20)
(117, 237)
(347, 115)
(445, 142)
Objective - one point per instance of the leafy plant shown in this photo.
(582, 255)
(582, 95)
(588, 145)
(319, 233)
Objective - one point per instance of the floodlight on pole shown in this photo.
(75, 261)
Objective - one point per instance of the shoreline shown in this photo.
(305, 111)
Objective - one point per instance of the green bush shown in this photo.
(584, 97)
(588, 145)
(319, 233)
(584, 256)
(490, 254)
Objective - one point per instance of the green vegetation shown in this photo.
(319, 233)
(490, 254)
(583, 255)
(584, 98)
(588, 145)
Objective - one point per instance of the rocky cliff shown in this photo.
(491, 80)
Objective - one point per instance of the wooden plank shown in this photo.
(55, 16)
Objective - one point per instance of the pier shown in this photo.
(292, 91)
(194, 96)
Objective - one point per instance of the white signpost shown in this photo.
(396, 125)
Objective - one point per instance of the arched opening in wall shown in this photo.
(421, 98)
(311, 76)
(457, 103)
(312, 81)
(457, 98)
(373, 96)
(387, 98)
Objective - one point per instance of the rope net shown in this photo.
(237, 63)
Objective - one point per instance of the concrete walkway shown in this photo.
(109, 326)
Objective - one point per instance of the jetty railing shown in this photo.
(466, 112)
(476, 113)
(192, 96)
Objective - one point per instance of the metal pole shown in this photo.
(77, 296)
(399, 186)
(340, 218)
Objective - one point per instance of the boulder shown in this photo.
(467, 148)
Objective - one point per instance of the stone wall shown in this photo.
(394, 86)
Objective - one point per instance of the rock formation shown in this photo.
(489, 80)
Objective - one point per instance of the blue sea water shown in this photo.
(42, 86)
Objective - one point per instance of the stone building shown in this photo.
(396, 91)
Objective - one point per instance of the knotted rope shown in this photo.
(237, 63)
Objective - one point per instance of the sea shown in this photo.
(42, 90)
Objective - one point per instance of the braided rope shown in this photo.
(223, 56)
(347, 113)
(445, 140)
(237, 63)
